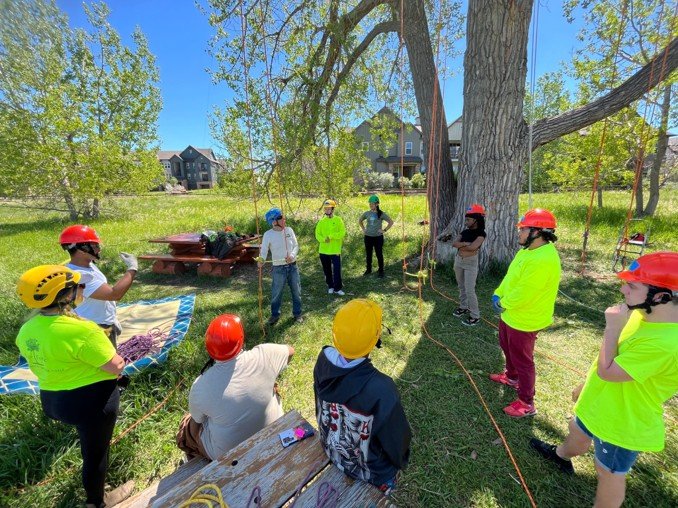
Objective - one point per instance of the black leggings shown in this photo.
(93, 410)
(376, 242)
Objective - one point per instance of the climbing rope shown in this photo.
(208, 495)
(142, 344)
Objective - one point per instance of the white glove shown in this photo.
(130, 261)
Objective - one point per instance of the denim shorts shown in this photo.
(612, 458)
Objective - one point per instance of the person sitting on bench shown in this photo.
(362, 424)
(235, 394)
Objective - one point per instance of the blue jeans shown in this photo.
(612, 458)
(332, 270)
(285, 274)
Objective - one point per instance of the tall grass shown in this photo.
(456, 459)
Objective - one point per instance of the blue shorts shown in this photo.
(612, 458)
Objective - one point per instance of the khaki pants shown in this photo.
(466, 272)
(188, 438)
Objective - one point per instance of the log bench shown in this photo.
(207, 265)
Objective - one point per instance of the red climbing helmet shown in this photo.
(658, 269)
(475, 209)
(225, 337)
(78, 234)
(538, 218)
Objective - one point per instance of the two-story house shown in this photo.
(194, 168)
(409, 142)
(412, 159)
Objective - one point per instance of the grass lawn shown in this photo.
(456, 459)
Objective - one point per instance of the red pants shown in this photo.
(518, 349)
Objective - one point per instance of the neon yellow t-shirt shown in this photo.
(333, 229)
(529, 289)
(65, 352)
(629, 414)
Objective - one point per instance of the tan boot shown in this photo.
(119, 494)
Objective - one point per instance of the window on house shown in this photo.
(203, 166)
(408, 148)
(205, 177)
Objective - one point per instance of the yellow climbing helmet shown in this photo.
(329, 203)
(39, 286)
(356, 328)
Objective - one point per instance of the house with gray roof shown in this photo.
(194, 168)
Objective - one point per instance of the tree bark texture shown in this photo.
(660, 153)
(494, 137)
(441, 186)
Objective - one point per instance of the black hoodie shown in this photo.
(363, 427)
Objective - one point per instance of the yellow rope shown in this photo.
(203, 496)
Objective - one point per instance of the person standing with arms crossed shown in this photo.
(374, 234)
(330, 232)
(525, 301)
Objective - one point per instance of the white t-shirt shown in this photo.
(275, 241)
(235, 399)
(102, 312)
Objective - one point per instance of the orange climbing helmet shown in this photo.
(659, 269)
(475, 209)
(225, 337)
(538, 218)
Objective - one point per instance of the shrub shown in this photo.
(418, 181)
(377, 180)
(404, 182)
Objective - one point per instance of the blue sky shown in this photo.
(178, 32)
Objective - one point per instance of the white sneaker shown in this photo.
(330, 291)
(340, 293)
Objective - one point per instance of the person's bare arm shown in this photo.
(474, 245)
(114, 365)
(290, 350)
(117, 291)
(458, 243)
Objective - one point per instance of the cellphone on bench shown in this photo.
(289, 436)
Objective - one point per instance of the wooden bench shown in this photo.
(155, 490)
(207, 265)
(281, 474)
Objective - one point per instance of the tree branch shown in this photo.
(657, 70)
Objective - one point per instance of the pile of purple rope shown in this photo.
(140, 345)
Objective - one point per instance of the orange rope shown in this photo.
(599, 160)
(243, 26)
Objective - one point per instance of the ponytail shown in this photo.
(379, 212)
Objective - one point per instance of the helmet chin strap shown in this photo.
(650, 301)
(531, 238)
(88, 249)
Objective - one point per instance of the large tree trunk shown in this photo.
(441, 185)
(494, 137)
(660, 153)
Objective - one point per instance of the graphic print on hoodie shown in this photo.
(361, 421)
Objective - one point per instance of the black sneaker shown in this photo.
(367, 272)
(273, 320)
(548, 451)
(299, 319)
(380, 275)
(469, 321)
(458, 312)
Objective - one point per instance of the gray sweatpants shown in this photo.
(466, 272)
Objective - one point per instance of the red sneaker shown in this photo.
(518, 409)
(504, 380)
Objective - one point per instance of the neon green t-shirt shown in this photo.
(333, 229)
(629, 414)
(529, 289)
(65, 352)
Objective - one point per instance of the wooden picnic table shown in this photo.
(186, 248)
(298, 471)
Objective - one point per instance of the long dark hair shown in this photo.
(379, 212)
